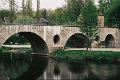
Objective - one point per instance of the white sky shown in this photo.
(48, 4)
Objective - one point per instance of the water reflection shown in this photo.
(86, 70)
(11, 68)
(76, 67)
(21, 66)
(33, 67)
(81, 70)
(36, 68)
(106, 71)
(56, 72)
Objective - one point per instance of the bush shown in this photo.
(23, 19)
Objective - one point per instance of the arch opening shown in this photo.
(16, 39)
(56, 39)
(38, 45)
(109, 41)
(77, 41)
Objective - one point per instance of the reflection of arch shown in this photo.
(109, 41)
(77, 40)
(38, 45)
(36, 68)
(56, 39)
(18, 64)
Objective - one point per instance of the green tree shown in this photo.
(17, 38)
(58, 16)
(51, 16)
(112, 14)
(104, 5)
(12, 9)
(88, 21)
(23, 19)
(59, 12)
(44, 13)
(74, 9)
(4, 13)
(28, 10)
(38, 10)
(23, 7)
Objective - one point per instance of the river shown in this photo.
(33, 67)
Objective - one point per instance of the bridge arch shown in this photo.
(77, 40)
(56, 39)
(109, 41)
(38, 45)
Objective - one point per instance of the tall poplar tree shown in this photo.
(38, 10)
(29, 7)
(12, 8)
(23, 7)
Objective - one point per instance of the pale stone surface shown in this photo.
(95, 44)
(47, 33)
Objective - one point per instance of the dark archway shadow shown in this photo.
(36, 69)
(38, 45)
(109, 41)
(56, 39)
(77, 41)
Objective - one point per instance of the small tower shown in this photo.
(100, 20)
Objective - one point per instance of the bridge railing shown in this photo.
(37, 23)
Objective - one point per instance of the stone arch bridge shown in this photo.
(45, 39)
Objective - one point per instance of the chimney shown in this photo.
(100, 20)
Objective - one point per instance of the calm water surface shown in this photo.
(33, 67)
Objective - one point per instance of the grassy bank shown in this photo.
(87, 55)
(16, 50)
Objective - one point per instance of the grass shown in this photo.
(87, 55)
(19, 50)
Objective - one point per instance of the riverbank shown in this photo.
(15, 49)
(87, 55)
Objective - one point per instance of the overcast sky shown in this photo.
(48, 4)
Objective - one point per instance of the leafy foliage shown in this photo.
(38, 9)
(44, 13)
(4, 13)
(104, 5)
(21, 19)
(110, 8)
(59, 12)
(113, 13)
(88, 21)
(17, 39)
(68, 14)
(74, 8)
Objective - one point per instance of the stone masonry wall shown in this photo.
(47, 33)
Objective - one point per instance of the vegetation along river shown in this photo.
(19, 66)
